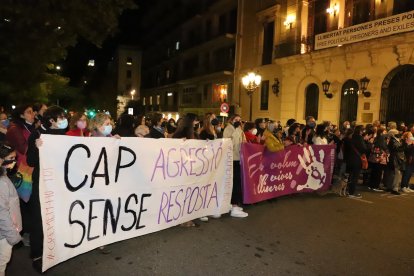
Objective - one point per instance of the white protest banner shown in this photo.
(399, 23)
(96, 191)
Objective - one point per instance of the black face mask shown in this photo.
(8, 162)
(214, 122)
(236, 124)
(164, 124)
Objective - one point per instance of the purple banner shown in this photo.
(297, 169)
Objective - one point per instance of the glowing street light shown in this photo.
(132, 93)
(251, 81)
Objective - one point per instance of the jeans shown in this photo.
(407, 175)
(397, 180)
(5, 255)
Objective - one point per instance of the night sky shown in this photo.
(76, 62)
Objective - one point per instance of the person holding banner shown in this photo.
(54, 122)
(156, 131)
(234, 131)
(186, 130)
(10, 217)
(78, 125)
(208, 131)
(101, 126)
(250, 131)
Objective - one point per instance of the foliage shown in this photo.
(36, 33)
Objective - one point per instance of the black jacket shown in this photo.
(353, 149)
(33, 156)
(397, 156)
(155, 134)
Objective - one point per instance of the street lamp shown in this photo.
(132, 94)
(251, 81)
(364, 85)
(325, 87)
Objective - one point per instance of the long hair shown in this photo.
(207, 126)
(75, 118)
(185, 129)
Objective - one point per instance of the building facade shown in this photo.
(188, 55)
(297, 45)
(126, 69)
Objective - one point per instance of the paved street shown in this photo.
(294, 235)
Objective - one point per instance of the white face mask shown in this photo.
(348, 126)
(254, 131)
(218, 129)
(62, 124)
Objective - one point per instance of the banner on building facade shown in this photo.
(96, 191)
(296, 169)
(399, 23)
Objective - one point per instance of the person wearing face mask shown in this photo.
(4, 124)
(18, 133)
(309, 131)
(39, 109)
(78, 125)
(250, 131)
(101, 126)
(54, 122)
(171, 127)
(156, 131)
(125, 126)
(408, 143)
(234, 131)
(208, 131)
(293, 135)
(10, 217)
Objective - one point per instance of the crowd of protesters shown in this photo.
(381, 155)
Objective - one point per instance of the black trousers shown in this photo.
(354, 172)
(376, 175)
(36, 233)
(237, 194)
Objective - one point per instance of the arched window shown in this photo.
(349, 101)
(312, 100)
(397, 95)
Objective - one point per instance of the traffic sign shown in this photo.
(224, 108)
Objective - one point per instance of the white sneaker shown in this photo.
(405, 190)
(216, 216)
(238, 213)
(205, 219)
(410, 190)
(236, 208)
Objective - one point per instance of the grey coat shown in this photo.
(10, 217)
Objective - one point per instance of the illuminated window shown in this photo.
(177, 45)
(158, 99)
(91, 63)
(129, 61)
(150, 100)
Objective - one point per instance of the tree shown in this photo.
(36, 33)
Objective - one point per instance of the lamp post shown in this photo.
(251, 81)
